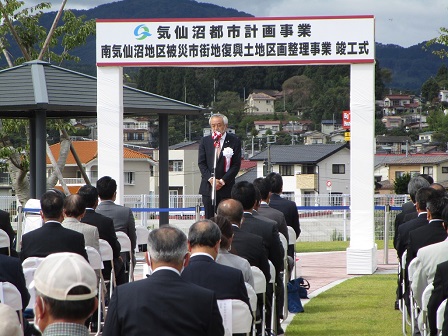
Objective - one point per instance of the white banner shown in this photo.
(235, 41)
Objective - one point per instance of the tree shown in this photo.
(21, 26)
(441, 39)
(401, 184)
(430, 89)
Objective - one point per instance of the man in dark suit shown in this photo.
(287, 207)
(439, 293)
(52, 237)
(244, 244)
(227, 165)
(105, 226)
(5, 225)
(122, 216)
(227, 282)
(164, 303)
(421, 197)
(245, 193)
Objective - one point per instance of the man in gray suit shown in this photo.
(74, 209)
(122, 216)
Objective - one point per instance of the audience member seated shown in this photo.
(106, 230)
(122, 216)
(224, 256)
(164, 303)
(66, 289)
(439, 293)
(74, 210)
(52, 237)
(244, 244)
(203, 242)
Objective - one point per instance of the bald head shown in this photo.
(232, 210)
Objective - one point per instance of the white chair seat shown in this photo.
(10, 295)
(4, 241)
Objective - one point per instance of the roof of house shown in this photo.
(185, 145)
(331, 122)
(413, 159)
(300, 154)
(392, 139)
(398, 96)
(248, 176)
(247, 164)
(88, 151)
(267, 122)
(261, 95)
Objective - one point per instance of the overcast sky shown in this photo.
(402, 22)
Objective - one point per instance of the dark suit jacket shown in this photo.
(163, 304)
(250, 247)
(227, 282)
(426, 235)
(403, 232)
(406, 208)
(289, 209)
(267, 230)
(206, 157)
(11, 271)
(439, 294)
(105, 226)
(52, 237)
(5, 225)
(277, 216)
(122, 216)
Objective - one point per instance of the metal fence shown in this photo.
(322, 217)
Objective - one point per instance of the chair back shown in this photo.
(240, 319)
(94, 258)
(292, 236)
(32, 262)
(252, 296)
(426, 295)
(106, 251)
(284, 243)
(31, 219)
(272, 271)
(29, 276)
(124, 240)
(142, 234)
(411, 268)
(259, 280)
(10, 295)
(440, 316)
(4, 241)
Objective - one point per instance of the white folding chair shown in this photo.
(4, 241)
(412, 303)
(284, 274)
(260, 288)
(240, 321)
(97, 264)
(440, 316)
(31, 216)
(125, 243)
(107, 254)
(10, 295)
(292, 241)
(402, 304)
(29, 266)
(252, 297)
(142, 236)
(273, 316)
(424, 313)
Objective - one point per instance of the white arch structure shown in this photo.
(245, 42)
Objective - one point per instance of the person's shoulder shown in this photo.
(9, 261)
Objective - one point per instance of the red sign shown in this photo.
(329, 184)
(346, 119)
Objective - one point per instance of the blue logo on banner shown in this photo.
(141, 32)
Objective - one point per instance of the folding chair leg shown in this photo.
(274, 311)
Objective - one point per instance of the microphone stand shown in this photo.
(214, 179)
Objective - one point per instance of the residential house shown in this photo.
(443, 95)
(136, 167)
(136, 131)
(391, 122)
(393, 144)
(338, 136)
(306, 170)
(389, 167)
(184, 175)
(314, 137)
(400, 104)
(262, 126)
(329, 126)
(260, 103)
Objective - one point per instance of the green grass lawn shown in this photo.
(358, 306)
(329, 246)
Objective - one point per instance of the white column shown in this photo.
(361, 255)
(110, 125)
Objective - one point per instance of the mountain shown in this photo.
(410, 67)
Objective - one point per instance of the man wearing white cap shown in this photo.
(66, 289)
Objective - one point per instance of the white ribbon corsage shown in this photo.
(228, 153)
